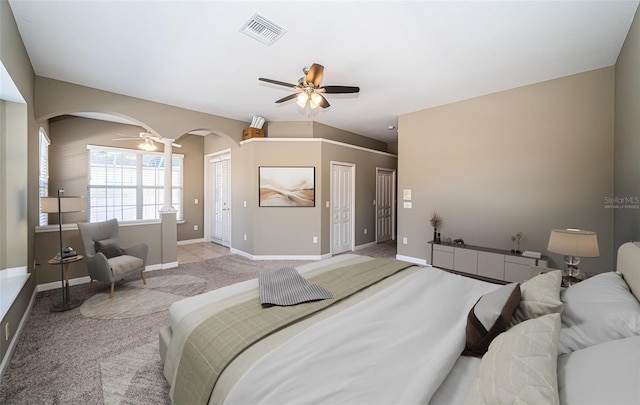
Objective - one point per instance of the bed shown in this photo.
(400, 339)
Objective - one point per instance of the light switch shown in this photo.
(406, 194)
(195, 201)
(407, 204)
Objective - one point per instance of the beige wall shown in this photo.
(528, 159)
(55, 98)
(290, 231)
(627, 139)
(69, 138)
(312, 129)
(15, 60)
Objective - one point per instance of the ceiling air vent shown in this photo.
(262, 29)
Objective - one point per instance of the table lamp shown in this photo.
(573, 243)
(59, 205)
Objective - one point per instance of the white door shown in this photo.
(220, 199)
(385, 191)
(342, 183)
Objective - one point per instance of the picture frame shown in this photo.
(286, 186)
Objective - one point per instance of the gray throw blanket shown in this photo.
(286, 287)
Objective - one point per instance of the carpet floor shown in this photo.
(95, 355)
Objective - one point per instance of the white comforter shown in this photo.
(394, 347)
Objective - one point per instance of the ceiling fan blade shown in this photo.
(324, 103)
(287, 98)
(341, 89)
(315, 74)
(277, 82)
(126, 139)
(176, 145)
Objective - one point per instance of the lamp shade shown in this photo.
(49, 205)
(574, 242)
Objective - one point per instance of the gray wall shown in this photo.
(528, 159)
(627, 140)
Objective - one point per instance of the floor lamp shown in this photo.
(59, 205)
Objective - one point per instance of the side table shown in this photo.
(67, 303)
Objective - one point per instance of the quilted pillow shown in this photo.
(521, 365)
(108, 249)
(597, 310)
(540, 296)
(489, 317)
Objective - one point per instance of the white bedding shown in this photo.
(388, 358)
(179, 309)
(387, 348)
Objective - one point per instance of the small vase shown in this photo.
(439, 240)
(435, 235)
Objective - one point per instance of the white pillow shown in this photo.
(540, 295)
(607, 373)
(597, 310)
(520, 366)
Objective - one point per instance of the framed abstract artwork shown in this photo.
(287, 186)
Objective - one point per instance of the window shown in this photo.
(128, 184)
(43, 178)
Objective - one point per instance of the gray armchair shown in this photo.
(107, 261)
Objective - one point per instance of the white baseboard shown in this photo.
(366, 245)
(279, 257)
(415, 260)
(58, 284)
(84, 280)
(190, 241)
(16, 335)
(153, 267)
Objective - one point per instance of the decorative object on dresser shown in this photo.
(516, 242)
(436, 222)
(59, 205)
(573, 243)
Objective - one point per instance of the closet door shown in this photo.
(220, 197)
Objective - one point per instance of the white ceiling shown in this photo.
(405, 55)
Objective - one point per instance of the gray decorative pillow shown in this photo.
(108, 249)
(597, 310)
(489, 317)
(540, 296)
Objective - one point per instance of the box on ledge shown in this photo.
(252, 133)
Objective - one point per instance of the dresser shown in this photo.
(484, 262)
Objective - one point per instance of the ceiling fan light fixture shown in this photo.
(316, 100)
(147, 145)
(302, 99)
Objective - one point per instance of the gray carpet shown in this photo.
(69, 358)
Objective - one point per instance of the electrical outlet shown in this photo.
(404, 240)
(315, 239)
(195, 227)
(245, 236)
(6, 331)
(365, 231)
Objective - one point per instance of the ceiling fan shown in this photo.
(309, 89)
(147, 141)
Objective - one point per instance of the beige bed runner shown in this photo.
(219, 339)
